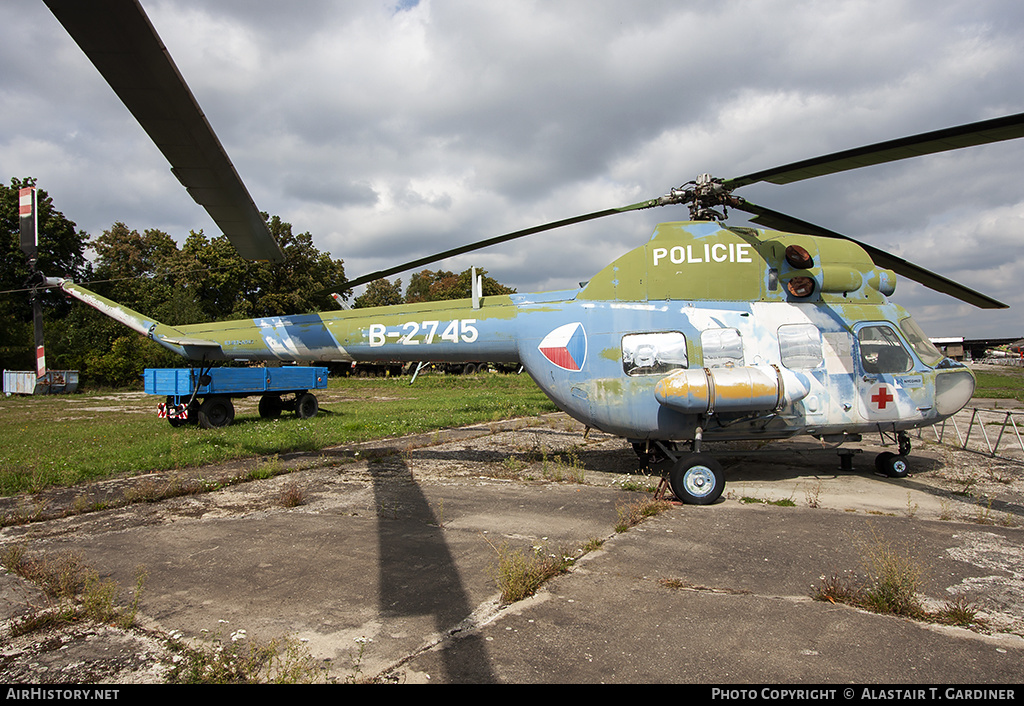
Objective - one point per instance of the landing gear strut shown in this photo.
(695, 478)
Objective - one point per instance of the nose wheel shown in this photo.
(895, 465)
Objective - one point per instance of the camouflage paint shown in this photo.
(690, 278)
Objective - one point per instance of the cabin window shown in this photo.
(925, 349)
(881, 351)
(800, 346)
(653, 353)
(722, 347)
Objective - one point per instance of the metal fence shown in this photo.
(992, 432)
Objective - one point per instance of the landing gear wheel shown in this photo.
(306, 406)
(270, 406)
(216, 412)
(893, 465)
(697, 479)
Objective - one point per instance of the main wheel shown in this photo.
(697, 479)
(306, 406)
(893, 465)
(270, 406)
(216, 412)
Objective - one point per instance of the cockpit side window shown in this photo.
(881, 351)
(653, 353)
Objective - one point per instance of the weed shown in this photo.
(632, 514)
(891, 584)
(357, 660)
(76, 591)
(945, 510)
(266, 468)
(240, 660)
(784, 502)
(638, 485)
(519, 573)
(813, 496)
(960, 612)
(292, 496)
(511, 466)
(911, 507)
(564, 467)
(894, 579)
(984, 513)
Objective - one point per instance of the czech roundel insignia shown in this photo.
(566, 346)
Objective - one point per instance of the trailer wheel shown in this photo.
(216, 412)
(306, 406)
(271, 406)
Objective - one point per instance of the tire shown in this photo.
(216, 412)
(892, 465)
(306, 406)
(468, 369)
(697, 479)
(270, 406)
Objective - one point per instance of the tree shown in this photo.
(227, 286)
(428, 286)
(381, 292)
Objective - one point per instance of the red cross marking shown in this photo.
(882, 397)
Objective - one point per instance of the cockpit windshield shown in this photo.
(925, 349)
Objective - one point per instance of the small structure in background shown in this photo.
(952, 346)
(52, 382)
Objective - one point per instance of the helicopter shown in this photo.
(707, 332)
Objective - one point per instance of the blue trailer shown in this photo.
(203, 395)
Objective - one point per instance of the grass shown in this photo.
(1008, 385)
(66, 440)
(73, 592)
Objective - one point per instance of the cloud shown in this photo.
(393, 130)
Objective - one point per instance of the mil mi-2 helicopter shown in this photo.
(706, 332)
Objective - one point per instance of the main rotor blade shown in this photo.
(121, 42)
(494, 241)
(1009, 127)
(780, 221)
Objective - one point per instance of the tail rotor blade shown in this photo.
(28, 222)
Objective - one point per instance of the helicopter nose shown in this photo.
(953, 390)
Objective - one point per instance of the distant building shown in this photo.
(952, 346)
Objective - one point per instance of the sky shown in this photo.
(391, 130)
